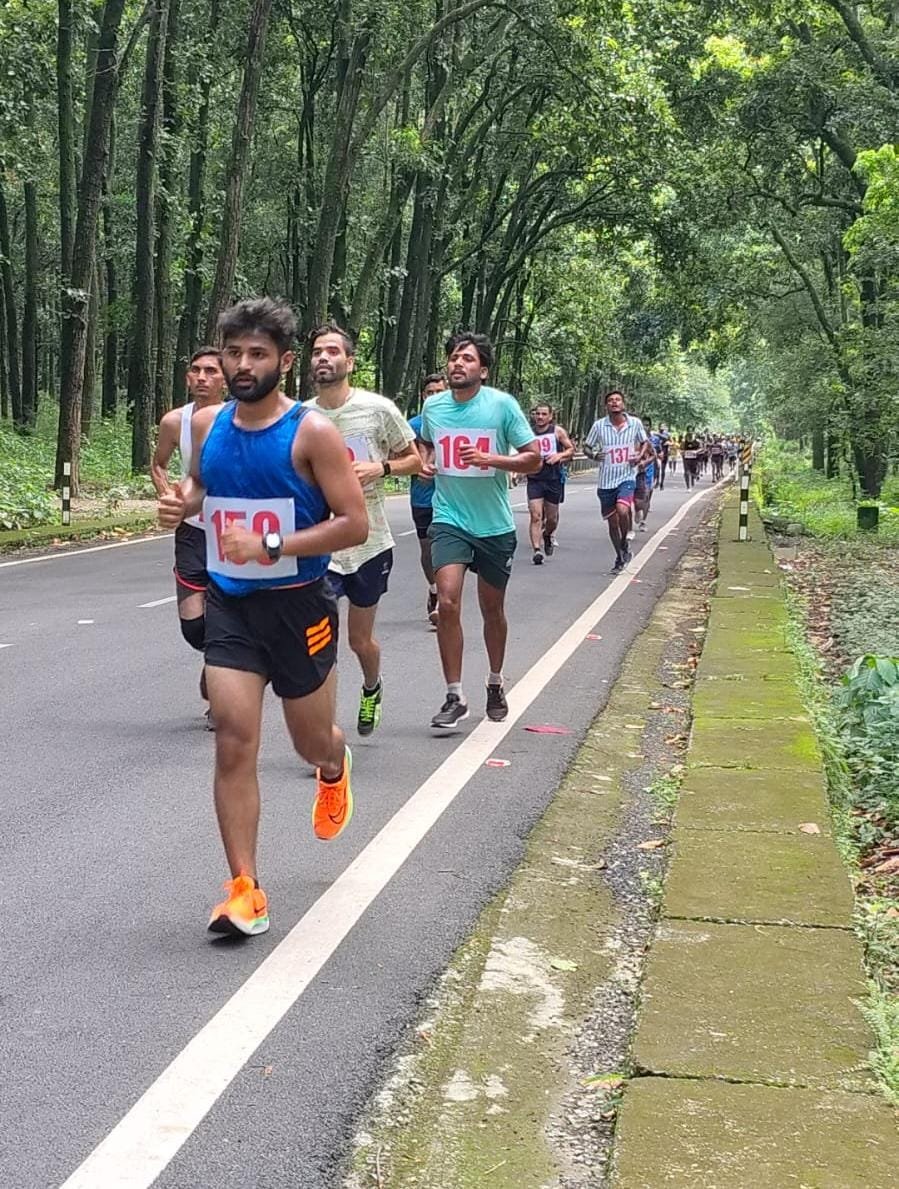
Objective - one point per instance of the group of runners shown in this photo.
(279, 514)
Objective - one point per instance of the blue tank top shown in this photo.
(257, 464)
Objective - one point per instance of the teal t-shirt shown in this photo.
(475, 500)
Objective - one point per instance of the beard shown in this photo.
(261, 387)
(334, 373)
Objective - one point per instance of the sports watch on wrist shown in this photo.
(273, 543)
(385, 469)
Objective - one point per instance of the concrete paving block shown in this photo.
(753, 743)
(752, 799)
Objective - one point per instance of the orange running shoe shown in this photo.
(333, 804)
(245, 910)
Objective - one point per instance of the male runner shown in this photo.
(716, 453)
(421, 497)
(206, 386)
(619, 442)
(380, 443)
(665, 452)
(546, 489)
(646, 476)
(280, 495)
(690, 450)
(468, 433)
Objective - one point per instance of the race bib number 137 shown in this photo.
(448, 447)
(257, 516)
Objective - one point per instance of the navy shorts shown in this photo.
(611, 497)
(550, 490)
(190, 557)
(365, 587)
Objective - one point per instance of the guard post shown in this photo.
(67, 493)
(745, 476)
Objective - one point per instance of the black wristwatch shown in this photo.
(273, 543)
(385, 469)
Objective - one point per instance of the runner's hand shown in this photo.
(240, 545)
(473, 457)
(170, 507)
(368, 472)
(552, 459)
(427, 472)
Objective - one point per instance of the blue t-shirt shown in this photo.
(470, 498)
(421, 491)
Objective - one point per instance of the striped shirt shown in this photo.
(619, 446)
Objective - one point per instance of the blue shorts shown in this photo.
(365, 587)
(610, 497)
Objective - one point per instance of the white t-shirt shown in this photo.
(373, 428)
(619, 448)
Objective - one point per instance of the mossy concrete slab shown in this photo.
(752, 799)
(747, 699)
(750, 666)
(770, 611)
(733, 588)
(787, 879)
(753, 743)
(750, 640)
(714, 1135)
(759, 1003)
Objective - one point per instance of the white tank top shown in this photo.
(186, 449)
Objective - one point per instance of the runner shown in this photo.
(646, 477)
(716, 453)
(380, 443)
(546, 489)
(421, 497)
(206, 387)
(665, 452)
(673, 452)
(467, 434)
(280, 496)
(619, 442)
(690, 452)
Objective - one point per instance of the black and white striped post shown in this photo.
(67, 493)
(745, 475)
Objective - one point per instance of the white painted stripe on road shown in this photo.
(408, 533)
(158, 602)
(27, 561)
(149, 1136)
(5, 646)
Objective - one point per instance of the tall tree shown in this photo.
(141, 372)
(29, 310)
(165, 205)
(76, 299)
(241, 142)
(13, 371)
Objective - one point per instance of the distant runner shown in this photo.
(646, 476)
(467, 434)
(421, 497)
(206, 386)
(278, 494)
(619, 442)
(380, 443)
(546, 489)
(690, 454)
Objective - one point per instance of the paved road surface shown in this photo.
(112, 861)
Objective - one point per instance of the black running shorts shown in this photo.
(286, 634)
(190, 557)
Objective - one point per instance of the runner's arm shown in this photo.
(567, 452)
(166, 443)
(526, 460)
(186, 497)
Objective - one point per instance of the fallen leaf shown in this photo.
(810, 828)
(651, 844)
(604, 1079)
(563, 964)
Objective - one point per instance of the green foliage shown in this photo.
(787, 486)
(867, 705)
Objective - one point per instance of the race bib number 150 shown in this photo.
(257, 516)
(448, 446)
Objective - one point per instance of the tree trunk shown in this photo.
(77, 296)
(12, 319)
(68, 181)
(110, 394)
(90, 354)
(4, 381)
(193, 281)
(29, 313)
(141, 370)
(818, 449)
(238, 163)
(165, 342)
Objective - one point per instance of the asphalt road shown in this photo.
(112, 859)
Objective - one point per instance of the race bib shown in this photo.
(357, 447)
(257, 516)
(548, 444)
(448, 446)
(690, 454)
(618, 454)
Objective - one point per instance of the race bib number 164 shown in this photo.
(448, 446)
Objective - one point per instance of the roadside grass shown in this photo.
(788, 489)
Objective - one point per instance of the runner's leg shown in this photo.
(450, 580)
(496, 628)
(535, 528)
(235, 697)
(360, 636)
(315, 735)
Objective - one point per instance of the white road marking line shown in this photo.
(149, 1136)
(408, 533)
(84, 621)
(158, 602)
(5, 646)
(27, 561)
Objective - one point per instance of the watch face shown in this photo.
(272, 541)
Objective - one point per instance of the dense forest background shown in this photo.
(697, 201)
